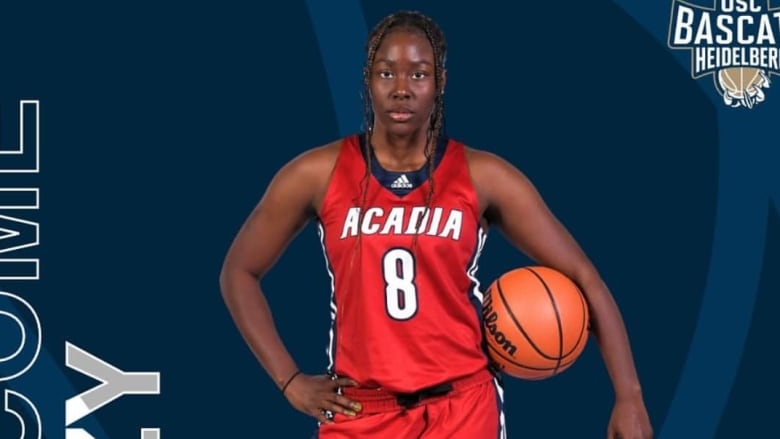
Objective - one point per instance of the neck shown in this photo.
(400, 152)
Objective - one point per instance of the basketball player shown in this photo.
(403, 212)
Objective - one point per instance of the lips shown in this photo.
(400, 114)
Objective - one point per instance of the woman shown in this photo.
(403, 212)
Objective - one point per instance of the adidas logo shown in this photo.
(401, 183)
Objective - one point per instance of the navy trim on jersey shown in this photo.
(401, 183)
(500, 406)
(331, 349)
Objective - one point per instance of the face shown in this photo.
(403, 86)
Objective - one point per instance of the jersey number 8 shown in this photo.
(398, 268)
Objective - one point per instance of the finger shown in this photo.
(348, 403)
(322, 416)
(345, 382)
(337, 408)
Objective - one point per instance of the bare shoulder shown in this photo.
(304, 179)
(489, 168)
(479, 159)
(316, 164)
(496, 181)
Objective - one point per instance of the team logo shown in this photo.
(735, 41)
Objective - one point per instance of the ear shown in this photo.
(443, 80)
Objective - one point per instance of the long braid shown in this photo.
(373, 44)
(436, 38)
(413, 20)
(368, 121)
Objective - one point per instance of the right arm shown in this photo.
(285, 208)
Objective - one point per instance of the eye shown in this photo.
(385, 74)
(419, 75)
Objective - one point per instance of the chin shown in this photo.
(402, 129)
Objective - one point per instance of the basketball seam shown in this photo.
(584, 324)
(514, 362)
(518, 325)
(557, 317)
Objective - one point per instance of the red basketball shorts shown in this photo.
(471, 410)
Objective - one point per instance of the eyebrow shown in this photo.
(387, 61)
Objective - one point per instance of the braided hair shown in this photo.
(414, 21)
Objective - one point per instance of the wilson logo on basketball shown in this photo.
(490, 317)
(735, 41)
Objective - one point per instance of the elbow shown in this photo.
(224, 280)
(233, 278)
(229, 278)
(226, 276)
(587, 277)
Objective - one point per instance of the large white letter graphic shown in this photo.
(19, 361)
(27, 152)
(16, 233)
(17, 404)
(114, 383)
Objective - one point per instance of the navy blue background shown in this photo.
(162, 125)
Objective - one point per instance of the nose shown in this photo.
(401, 89)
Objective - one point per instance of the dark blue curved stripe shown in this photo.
(46, 385)
(771, 172)
(341, 33)
(737, 253)
(732, 287)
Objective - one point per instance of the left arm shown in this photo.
(511, 202)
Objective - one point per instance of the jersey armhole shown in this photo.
(465, 150)
(344, 144)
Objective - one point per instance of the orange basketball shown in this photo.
(535, 321)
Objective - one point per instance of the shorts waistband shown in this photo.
(380, 400)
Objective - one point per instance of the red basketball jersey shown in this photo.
(405, 316)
